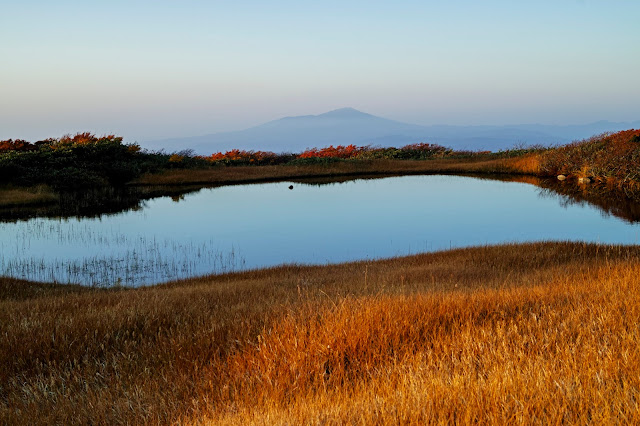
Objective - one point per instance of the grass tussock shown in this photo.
(533, 333)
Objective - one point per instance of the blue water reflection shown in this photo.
(249, 226)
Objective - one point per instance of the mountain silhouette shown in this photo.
(346, 126)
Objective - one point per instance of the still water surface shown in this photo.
(249, 226)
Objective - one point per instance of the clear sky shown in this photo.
(155, 69)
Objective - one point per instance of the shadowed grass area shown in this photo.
(21, 196)
(541, 333)
(13, 289)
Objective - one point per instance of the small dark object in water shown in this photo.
(290, 186)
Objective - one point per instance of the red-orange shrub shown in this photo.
(340, 151)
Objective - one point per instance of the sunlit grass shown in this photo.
(612, 158)
(533, 333)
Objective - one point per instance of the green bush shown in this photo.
(314, 161)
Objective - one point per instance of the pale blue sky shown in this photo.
(154, 69)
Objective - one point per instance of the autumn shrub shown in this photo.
(17, 145)
(423, 151)
(330, 154)
(607, 157)
(237, 157)
(83, 160)
(339, 151)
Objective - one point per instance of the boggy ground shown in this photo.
(533, 333)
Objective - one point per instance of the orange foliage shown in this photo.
(238, 155)
(133, 148)
(17, 145)
(340, 151)
(85, 138)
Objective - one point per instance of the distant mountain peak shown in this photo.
(341, 114)
(345, 113)
(346, 126)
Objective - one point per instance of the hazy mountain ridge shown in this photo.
(349, 126)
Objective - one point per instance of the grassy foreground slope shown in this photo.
(533, 333)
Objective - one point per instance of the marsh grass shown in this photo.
(222, 175)
(11, 196)
(107, 257)
(532, 333)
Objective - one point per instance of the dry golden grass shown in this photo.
(533, 333)
(529, 164)
(17, 196)
(248, 174)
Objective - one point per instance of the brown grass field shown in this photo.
(526, 164)
(542, 333)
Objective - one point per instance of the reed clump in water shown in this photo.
(541, 332)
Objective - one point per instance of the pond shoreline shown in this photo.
(17, 203)
(315, 221)
(171, 182)
(165, 183)
(227, 175)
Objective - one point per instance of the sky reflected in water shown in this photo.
(249, 226)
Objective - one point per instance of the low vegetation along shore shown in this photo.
(535, 333)
(609, 159)
(85, 161)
